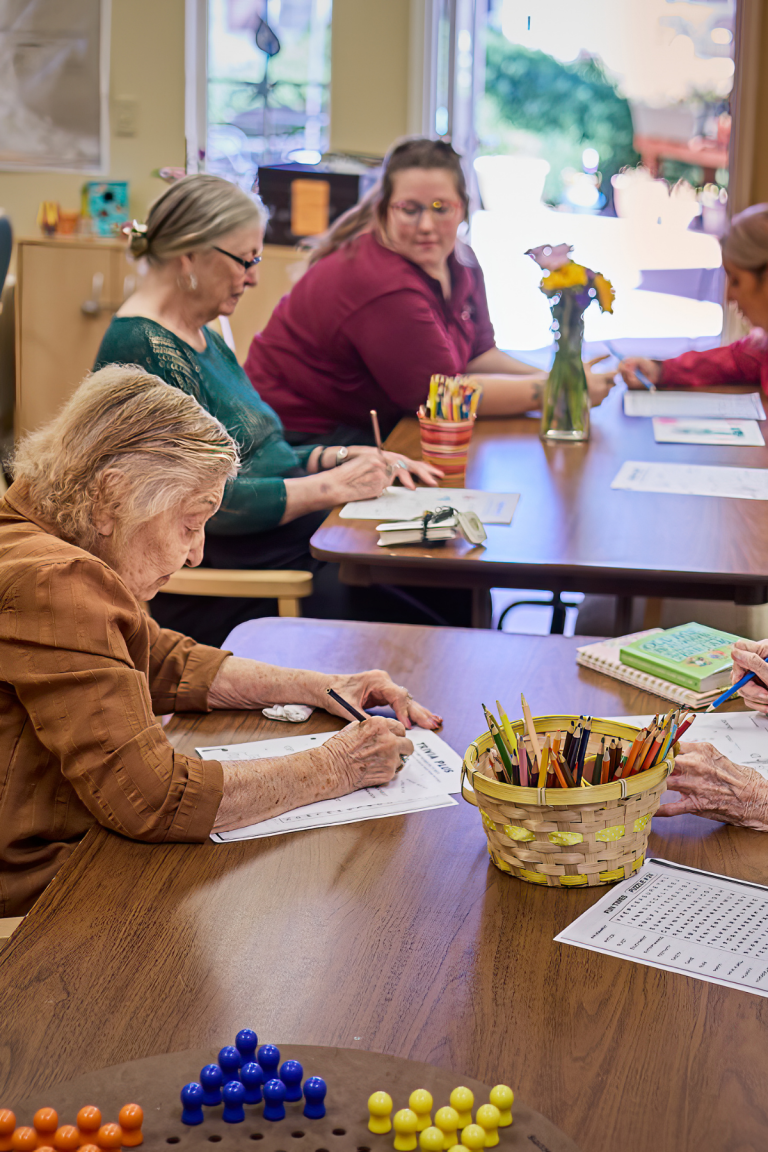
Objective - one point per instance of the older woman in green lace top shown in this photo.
(203, 242)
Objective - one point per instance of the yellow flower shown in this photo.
(569, 276)
(605, 292)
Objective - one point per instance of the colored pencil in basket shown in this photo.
(545, 752)
(532, 736)
(501, 747)
(506, 727)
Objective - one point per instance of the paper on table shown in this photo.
(427, 779)
(693, 480)
(669, 430)
(706, 405)
(682, 920)
(741, 736)
(403, 504)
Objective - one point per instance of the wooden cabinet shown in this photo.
(56, 338)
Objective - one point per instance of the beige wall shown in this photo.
(369, 74)
(147, 64)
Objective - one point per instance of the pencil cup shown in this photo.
(566, 837)
(445, 443)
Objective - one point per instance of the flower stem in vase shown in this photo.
(565, 410)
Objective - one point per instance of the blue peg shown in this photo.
(229, 1062)
(274, 1095)
(211, 1078)
(234, 1095)
(291, 1073)
(314, 1094)
(252, 1079)
(246, 1042)
(269, 1058)
(192, 1104)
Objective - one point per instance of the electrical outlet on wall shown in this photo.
(125, 110)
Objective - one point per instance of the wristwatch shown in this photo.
(341, 456)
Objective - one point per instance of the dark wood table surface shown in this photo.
(394, 935)
(571, 531)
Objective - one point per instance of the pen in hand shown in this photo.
(347, 707)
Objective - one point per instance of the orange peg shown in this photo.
(89, 1148)
(7, 1128)
(67, 1138)
(131, 1118)
(88, 1124)
(24, 1140)
(46, 1121)
(109, 1136)
(45, 1148)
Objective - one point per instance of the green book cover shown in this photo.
(691, 655)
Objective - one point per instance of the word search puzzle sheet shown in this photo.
(682, 920)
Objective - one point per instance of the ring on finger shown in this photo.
(401, 765)
(400, 464)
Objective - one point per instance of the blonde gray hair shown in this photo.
(193, 213)
(745, 243)
(121, 419)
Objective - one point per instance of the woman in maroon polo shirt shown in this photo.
(389, 299)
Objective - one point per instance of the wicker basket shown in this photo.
(566, 837)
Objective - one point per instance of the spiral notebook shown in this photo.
(604, 657)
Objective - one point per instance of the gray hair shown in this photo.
(121, 418)
(193, 213)
(745, 244)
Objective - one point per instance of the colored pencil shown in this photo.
(347, 707)
(731, 691)
(536, 747)
(545, 761)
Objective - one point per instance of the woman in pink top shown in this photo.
(745, 260)
(389, 299)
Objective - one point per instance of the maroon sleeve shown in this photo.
(485, 338)
(401, 345)
(737, 363)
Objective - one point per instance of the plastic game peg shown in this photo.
(89, 1148)
(67, 1138)
(46, 1121)
(431, 1140)
(211, 1079)
(230, 1063)
(503, 1097)
(234, 1098)
(130, 1118)
(462, 1100)
(88, 1124)
(269, 1058)
(489, 1118)
(246, 1043)
(405, 1123)
(420, 1102)
(108, 1136)
(473, 1137)
(192, 1104)
(380, 1109)
(252, 1078)
(291, 1073)
(314, 1095)
(24, 1140)
(7, 1128)
(274, 1095)
(447, 1120)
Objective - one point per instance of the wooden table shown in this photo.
(571, 531)
(395, 935)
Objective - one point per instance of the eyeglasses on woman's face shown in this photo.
(245, 264)
(411, 211)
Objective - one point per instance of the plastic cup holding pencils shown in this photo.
(445, 444)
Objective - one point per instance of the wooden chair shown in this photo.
(8, 926)
(289, 587)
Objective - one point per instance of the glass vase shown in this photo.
(565, 406)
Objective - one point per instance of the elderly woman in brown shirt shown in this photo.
(107, 502)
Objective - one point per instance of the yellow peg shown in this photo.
(473, 1137)
(405, 1122)
(380, 1108)
(447, 1120)
(489, 1118)
(503, 1097)
(462, 1100)
(420, 1102)
(431, 1140)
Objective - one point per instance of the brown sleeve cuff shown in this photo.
(200, 671)
(196, 813)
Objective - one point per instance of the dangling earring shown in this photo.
(188, 283)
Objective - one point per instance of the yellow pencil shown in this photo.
(544, 762)
(531, 731)
(509, 735)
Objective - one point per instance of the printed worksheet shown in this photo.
(706, 405)
(682, 920)
(741, 433)
(402, 504)
(426, 781)
(693, 480)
